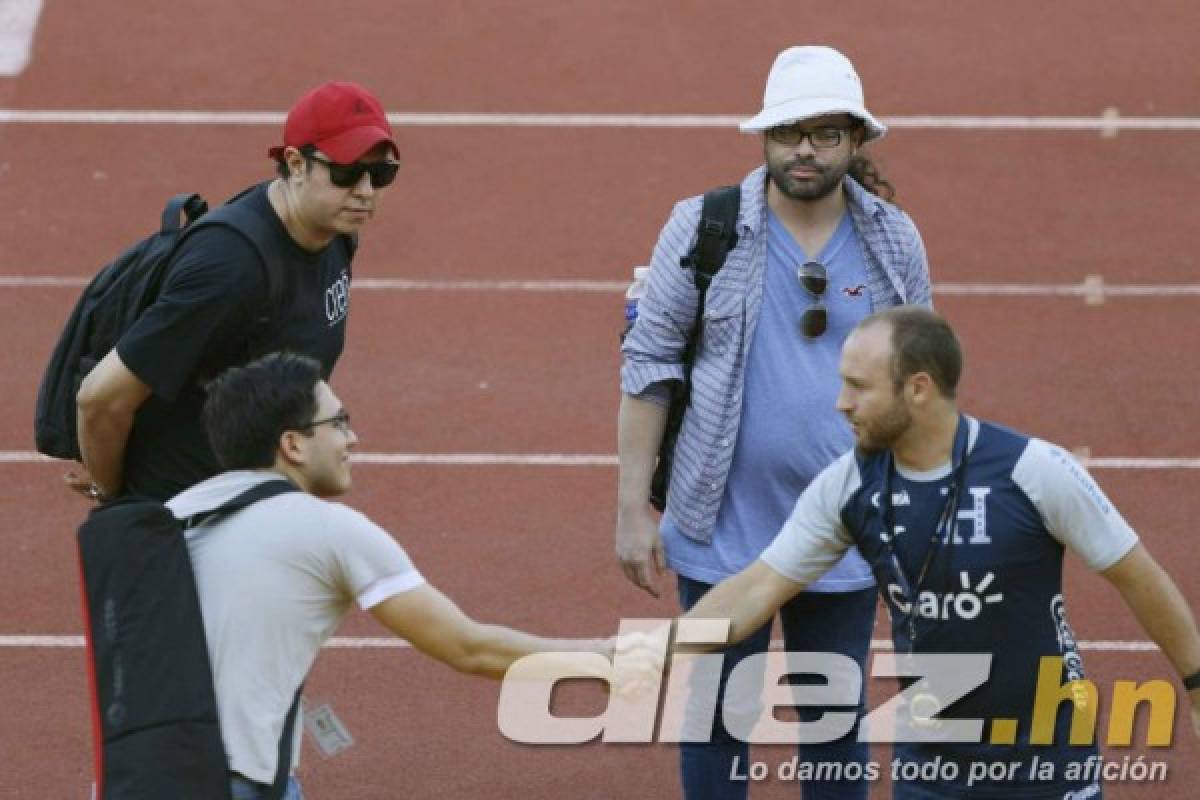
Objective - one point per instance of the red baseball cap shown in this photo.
(341, 119)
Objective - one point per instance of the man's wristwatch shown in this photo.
(1192, 682)
(96, 493)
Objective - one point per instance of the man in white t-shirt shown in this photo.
(276, 578)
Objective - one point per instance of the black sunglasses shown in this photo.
(815, 279)
(347, 176)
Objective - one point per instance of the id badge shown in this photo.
(326, 730)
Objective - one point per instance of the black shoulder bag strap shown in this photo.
(252, 495)
(249, 497)
(179, 214)
(260, 232)
(283, 767)
(181, 211)
(716, 235)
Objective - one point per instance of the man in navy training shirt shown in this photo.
(995, 585)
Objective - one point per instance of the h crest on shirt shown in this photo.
(976, 515)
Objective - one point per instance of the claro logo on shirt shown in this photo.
(965, 605)
(337, 299)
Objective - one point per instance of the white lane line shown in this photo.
(592, 460)
(404, 459)
(1086, 289)
(1141, 463)
(487, 459)
(27, 281)
(389, 642)
(41, 641)
(1133, 646)
(74, 641)
(18, 25)
(1104, 123)
(402, 284)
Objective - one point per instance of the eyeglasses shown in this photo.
(819, 138)
(815, 279)
(340, 421)
(347, 176)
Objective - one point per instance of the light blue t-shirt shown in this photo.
(790, 428)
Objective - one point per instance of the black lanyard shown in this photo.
(943, 531)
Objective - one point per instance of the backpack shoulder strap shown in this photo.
(257, 230)
(715, 236)
(283, 763)
(247, 498)
(179, 217)
(181, 211)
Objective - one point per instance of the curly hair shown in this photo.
(864, 170)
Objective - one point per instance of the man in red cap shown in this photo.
(139, 409)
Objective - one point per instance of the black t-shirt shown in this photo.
(207, 318)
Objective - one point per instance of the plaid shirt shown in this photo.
(897, 273)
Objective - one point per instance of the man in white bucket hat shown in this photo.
(807, 82)
(819, 248)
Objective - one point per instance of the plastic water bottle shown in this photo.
(635, 292)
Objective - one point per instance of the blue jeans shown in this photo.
(813, 622)
(244, 789)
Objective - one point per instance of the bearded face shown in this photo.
(811, 168)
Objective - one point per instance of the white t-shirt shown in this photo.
(274, 581)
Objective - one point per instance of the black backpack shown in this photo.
(154, 710)
(119, 294)
(715, 237)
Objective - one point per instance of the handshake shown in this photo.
(639, 662)
(632, 664)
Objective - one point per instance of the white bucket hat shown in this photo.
(808, 82)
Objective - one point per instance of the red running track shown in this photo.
(444, 372)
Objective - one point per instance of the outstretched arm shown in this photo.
(437, 627)
(748, 599)
(1162, 611)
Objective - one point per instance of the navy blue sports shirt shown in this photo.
(994, 587)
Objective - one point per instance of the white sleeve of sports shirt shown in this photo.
(370, 563)
(813, 539)
(1075, 510)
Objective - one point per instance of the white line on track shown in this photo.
(1086, 289)
(591, 460)
(1071, 289)
(388, 642)
(403, 284)
(74, 641)
(1105, 123)
(488, 459)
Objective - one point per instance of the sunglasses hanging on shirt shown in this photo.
(815, 279)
